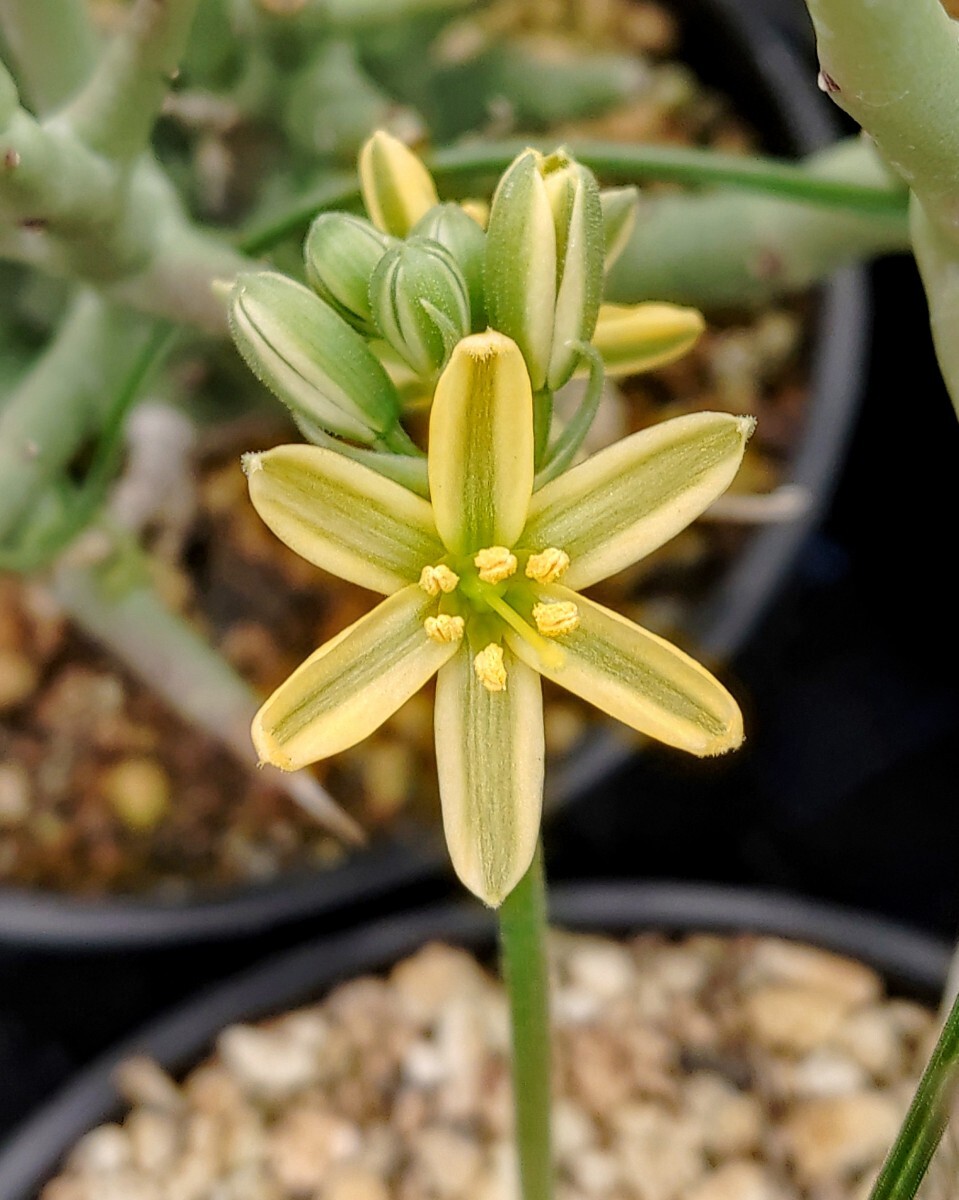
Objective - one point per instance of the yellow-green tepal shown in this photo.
(545, 249)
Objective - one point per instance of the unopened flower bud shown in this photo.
(420, 303)
(454, 228)
(544, 262)
(309, 357)
(397, 188)
(619, 207)
(342, 252)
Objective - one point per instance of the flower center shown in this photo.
(480, 596)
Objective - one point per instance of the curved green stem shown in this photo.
(523, 930)
(459, 166)
(928, 1115)
(563, 450)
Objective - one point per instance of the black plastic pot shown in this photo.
(733, 49)
(912, 963)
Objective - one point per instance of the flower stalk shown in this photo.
(525, 968)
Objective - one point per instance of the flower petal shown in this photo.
(342, 516)
(639, 337)
(481, 444)
(351, 685)
(489, 750)
(630, 498)
(639, 678)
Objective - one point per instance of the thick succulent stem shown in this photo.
(728, 248)
(82, 209)
(894, 68)
(115, 112)
(53, 46)
(63, 399)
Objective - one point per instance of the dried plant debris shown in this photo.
(703, 1069)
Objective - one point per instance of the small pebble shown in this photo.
(138, 791)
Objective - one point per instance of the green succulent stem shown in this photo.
(64, 400)
(97, 210)
(926, 1120)
(523, 934)
(895, 69)
(53, 46)
(114, 113)
(728, 248)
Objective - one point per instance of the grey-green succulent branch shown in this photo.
(895, 69)
(81, 196)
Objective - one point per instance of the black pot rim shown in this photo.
(31, 917)
(910, 960)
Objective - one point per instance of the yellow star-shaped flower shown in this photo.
(482, 587)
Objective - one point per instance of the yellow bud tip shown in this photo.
(444, 628)
(489, 668)
(397, 188)
(555, 619)
(478, 210)
(547, 566)
(495, 564)
(434, 580)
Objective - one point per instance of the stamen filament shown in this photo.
(550, 654)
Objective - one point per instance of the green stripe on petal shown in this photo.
(639, 678)
(342, 516)
(630, 498)
(489, 751)
(349, 687)
(481, 444)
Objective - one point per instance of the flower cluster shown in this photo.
(481, 547)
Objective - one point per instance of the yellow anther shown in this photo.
(548, 565)
(495, 564)
(444, 628)
(553, 620)
(489, 668)
(434, 580)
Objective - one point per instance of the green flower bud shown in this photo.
(421, 303)
(451, 226)
(309, 357)
(342, 252)
(619, 207)
(544, 262)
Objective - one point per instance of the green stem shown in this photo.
(522, 922)
(64, 400)
(892, 67)
(564, 449)
(928, 1115)
(727, 248)
(115, 112)
(53, 46)
(459, 166)
(542, 423)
